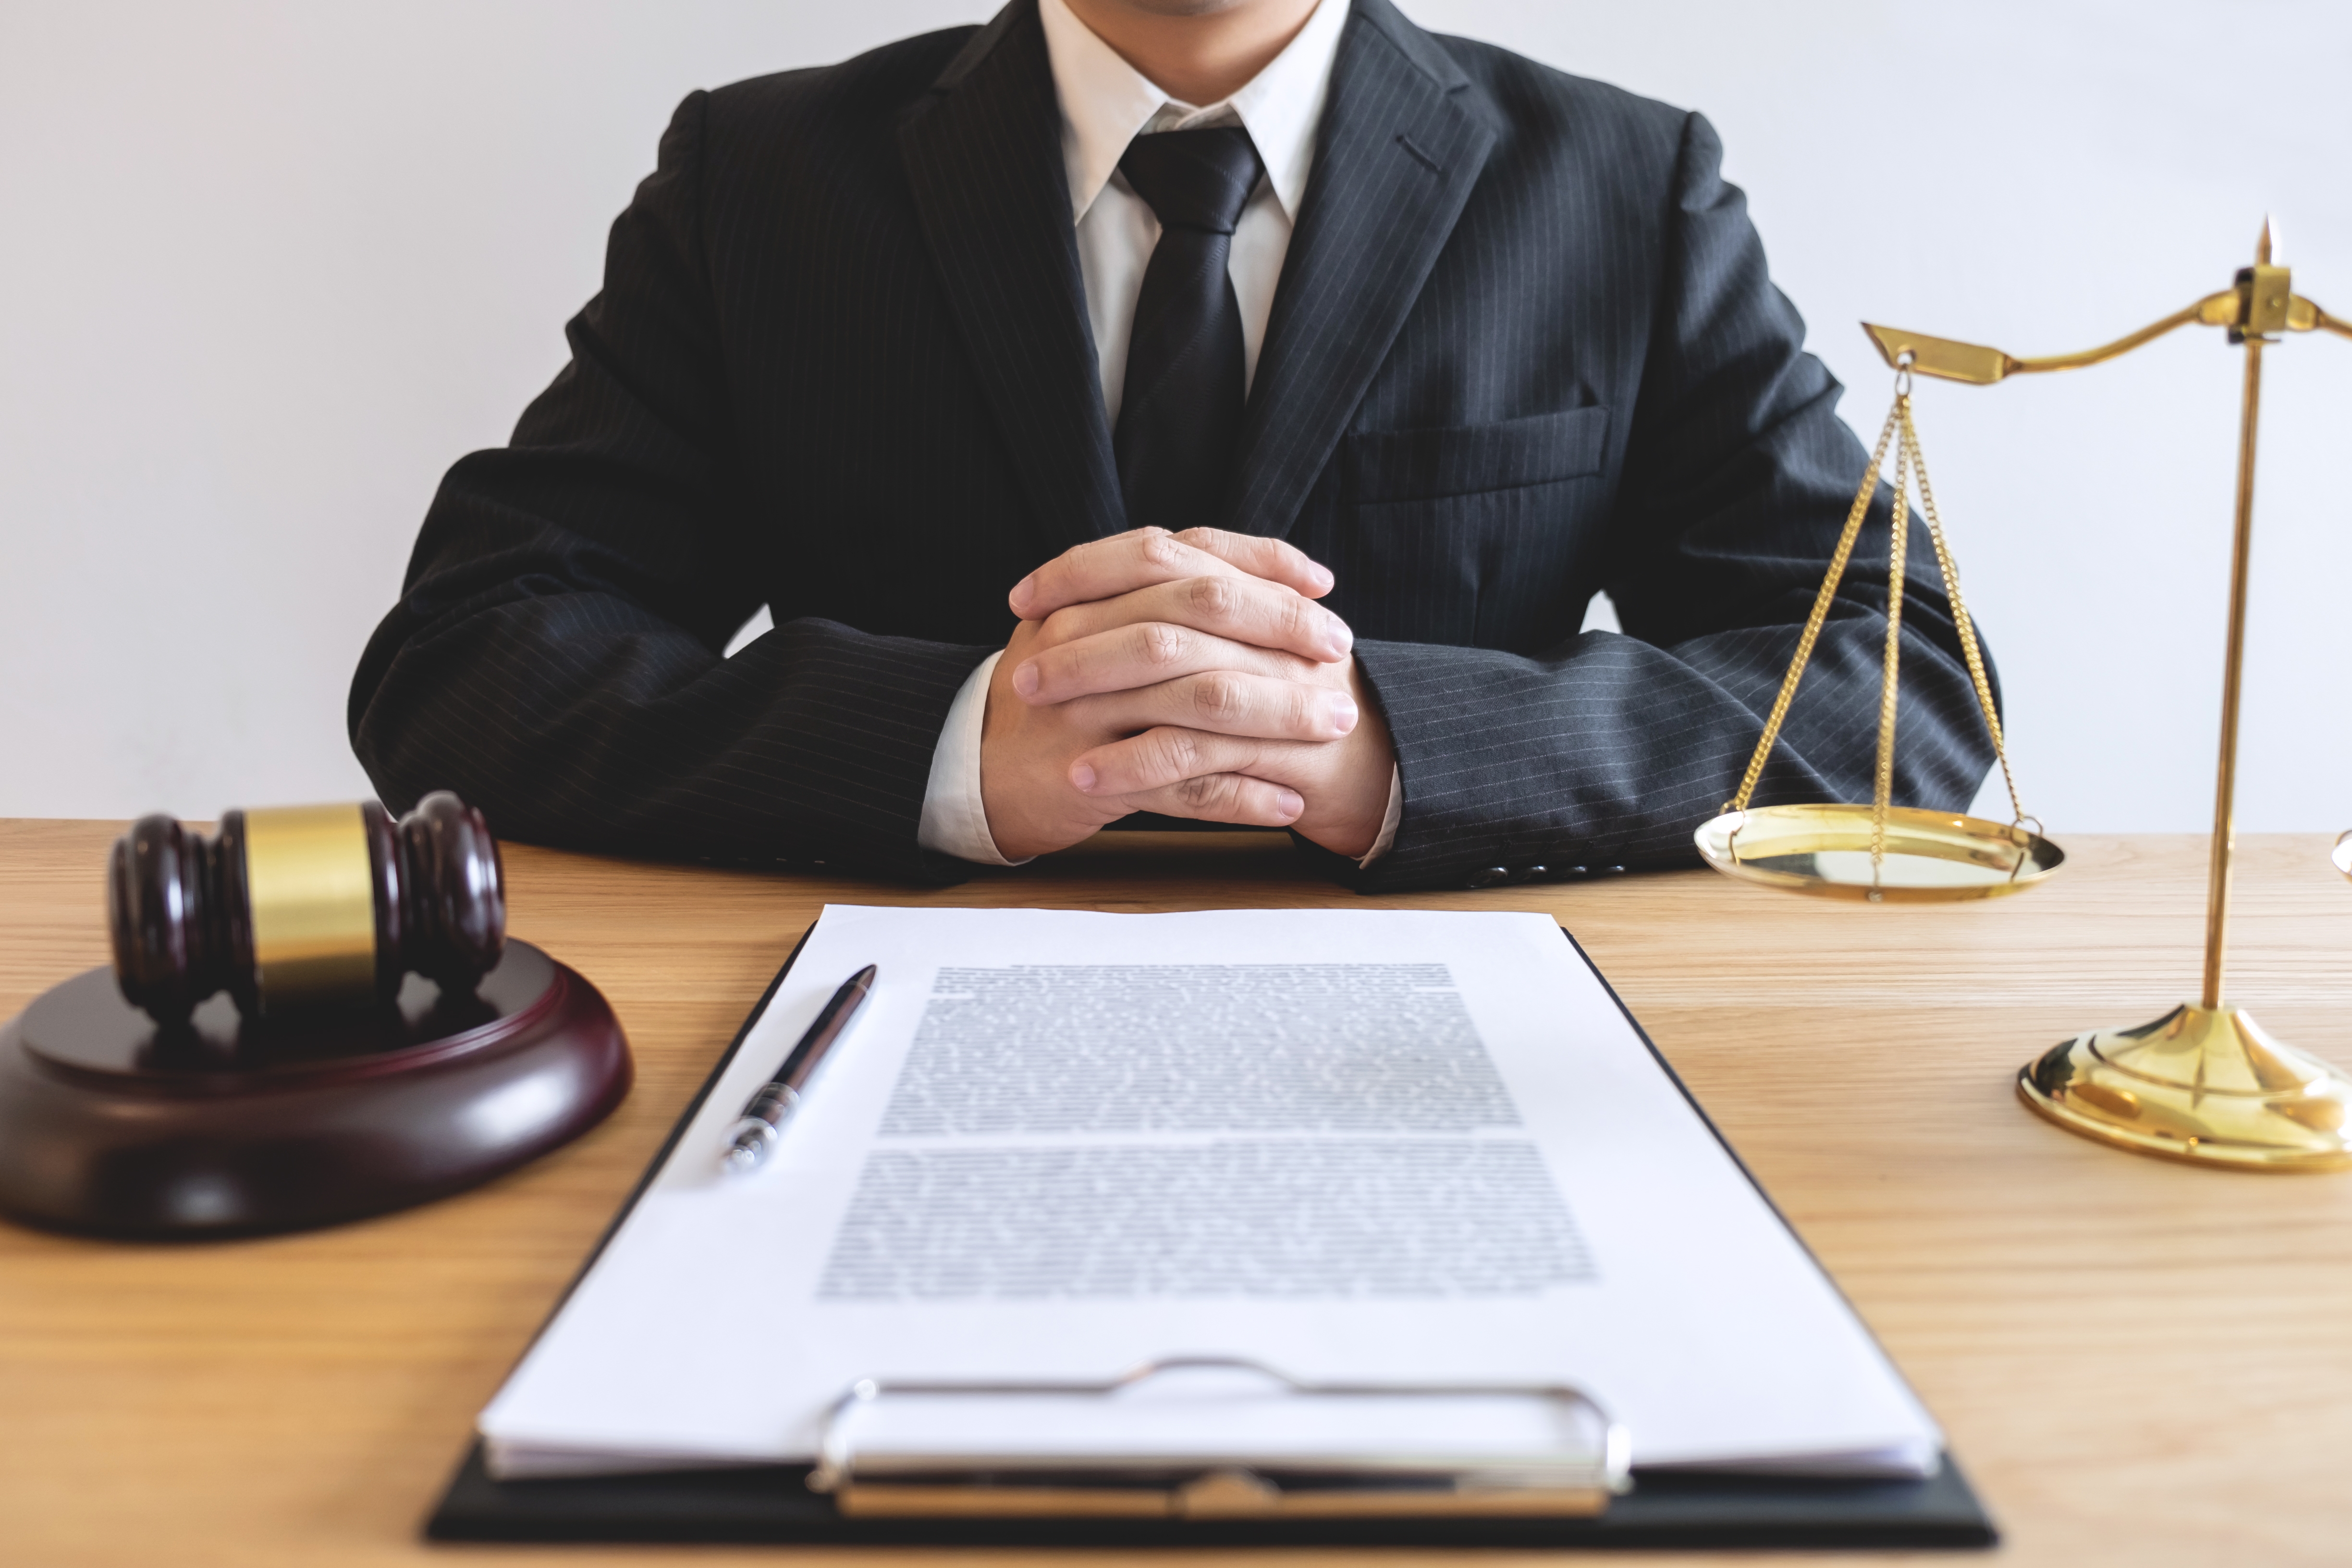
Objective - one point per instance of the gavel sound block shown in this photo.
(314, 1015)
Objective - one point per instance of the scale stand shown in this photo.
(2203, 1083)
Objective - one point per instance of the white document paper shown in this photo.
(1357, 1146)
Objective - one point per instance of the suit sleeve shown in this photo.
(1609, 750)
(555, 654)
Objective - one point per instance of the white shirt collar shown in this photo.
(1106, 103)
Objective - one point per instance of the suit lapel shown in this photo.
(983, 159)
(1399, 149)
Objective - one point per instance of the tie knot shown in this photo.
(1194, 179)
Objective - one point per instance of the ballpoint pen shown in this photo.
(752, 1137)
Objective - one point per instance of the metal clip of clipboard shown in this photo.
(1575, 1483)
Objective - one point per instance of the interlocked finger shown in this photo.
(1106, 568)
(1276, 560)
(1225, 797)
(1239, 609)
(1147, 653)
(1172, 755)
(1229, 702)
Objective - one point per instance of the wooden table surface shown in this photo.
(2135, 1361)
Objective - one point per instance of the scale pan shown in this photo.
(1931, 856)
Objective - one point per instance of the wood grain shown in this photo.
(2134, 1359)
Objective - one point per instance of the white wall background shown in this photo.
(267, 269)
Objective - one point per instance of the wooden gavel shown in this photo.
(298, 907)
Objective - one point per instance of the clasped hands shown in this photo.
(1190, 674)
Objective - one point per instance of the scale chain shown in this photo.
(1902, 434)
(1882, 792)
(1821, 602)
(1961, 621)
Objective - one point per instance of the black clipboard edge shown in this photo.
(653, 1169)
(772, 1505)
(718, 1071)
(1707, 1122)
(1992, 1534)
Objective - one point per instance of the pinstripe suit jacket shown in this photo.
(1524, 349)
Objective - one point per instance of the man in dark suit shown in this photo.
(1222, 410)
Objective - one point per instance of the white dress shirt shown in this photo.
(1105, 104)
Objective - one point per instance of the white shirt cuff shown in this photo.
(1389, 821)
(955, 816)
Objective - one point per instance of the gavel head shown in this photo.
(302, 906)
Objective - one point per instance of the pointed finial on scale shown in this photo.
(2267, 244)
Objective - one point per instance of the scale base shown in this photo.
(2207, 1086)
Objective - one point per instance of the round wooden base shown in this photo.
(221, 1127)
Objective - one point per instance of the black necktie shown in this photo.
(1180, 413)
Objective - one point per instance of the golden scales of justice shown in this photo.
(2202, 1083)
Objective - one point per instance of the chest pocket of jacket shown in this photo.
(1474, 535)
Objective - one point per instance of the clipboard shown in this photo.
(986, 1502)
(1572, 1479)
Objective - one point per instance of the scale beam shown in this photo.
(2258, 306)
